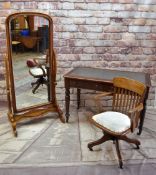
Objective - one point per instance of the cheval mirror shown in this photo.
(30, 67)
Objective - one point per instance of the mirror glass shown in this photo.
(30, 49)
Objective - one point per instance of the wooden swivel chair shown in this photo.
(127, 104)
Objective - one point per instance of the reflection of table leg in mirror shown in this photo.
(67, 101)
(16, 45)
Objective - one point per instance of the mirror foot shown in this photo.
(15, 133)
(60, 114)
(13, 124)
(14, 129)
(62, 119)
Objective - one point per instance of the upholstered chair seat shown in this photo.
(113, 121)
(37, 71)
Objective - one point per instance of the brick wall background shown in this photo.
(113, 34)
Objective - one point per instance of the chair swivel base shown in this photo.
(115, 140)
(40, 81)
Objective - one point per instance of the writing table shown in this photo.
(100, 80)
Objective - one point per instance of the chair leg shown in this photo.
(129, 140)
(36, 87)
(104, 138)
(44, 81)
(36, 82)
(118, 153)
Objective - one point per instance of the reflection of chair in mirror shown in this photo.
(38, 71)
(127, 104)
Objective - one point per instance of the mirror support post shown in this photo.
(48, 83)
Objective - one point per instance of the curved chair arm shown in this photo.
(103, 94)
(38, 64)
(134, 115)
(136, 109)
(36, 61)
(97, 98)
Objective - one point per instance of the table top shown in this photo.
(90, 73)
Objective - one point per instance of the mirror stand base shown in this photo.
(61, 117)
(38, 112)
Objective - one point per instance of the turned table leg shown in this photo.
(67, 102)
(143, 113)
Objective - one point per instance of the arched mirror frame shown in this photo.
(16, 115)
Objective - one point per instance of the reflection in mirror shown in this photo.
(30, 50)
